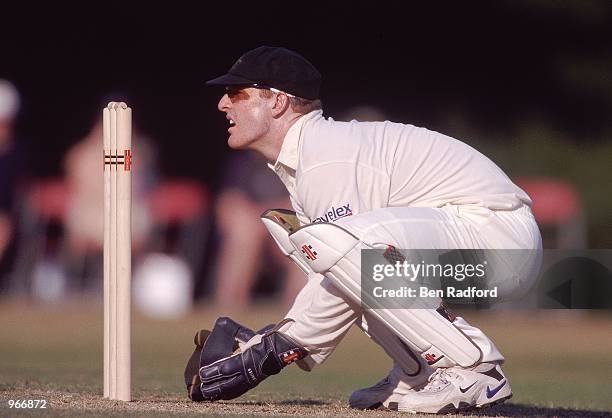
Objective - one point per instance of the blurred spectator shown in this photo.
(84, 221)
(11, 173)
(164, 282)
(249, 188)
(558, 209)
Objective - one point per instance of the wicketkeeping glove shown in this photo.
(232, 376)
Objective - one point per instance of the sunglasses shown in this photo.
(233, 91)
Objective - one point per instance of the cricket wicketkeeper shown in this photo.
(355, 186)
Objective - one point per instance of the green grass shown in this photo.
(553, 361)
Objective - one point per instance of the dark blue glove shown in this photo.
(232, 376)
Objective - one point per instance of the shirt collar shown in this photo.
(288, 155)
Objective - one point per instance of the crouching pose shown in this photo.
(358, 186)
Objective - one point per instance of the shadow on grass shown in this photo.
(302, 402)
(519, 410)
(290, 402)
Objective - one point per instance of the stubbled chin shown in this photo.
(234, 143)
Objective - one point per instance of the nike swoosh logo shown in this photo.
(493, 392)
(463, 390)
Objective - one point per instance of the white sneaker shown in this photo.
(388, 391)
(457, 389)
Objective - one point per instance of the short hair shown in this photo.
(298, 104)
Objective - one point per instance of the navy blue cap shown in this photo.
(275, 67)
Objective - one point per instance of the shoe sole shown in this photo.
(450, 408)
(497, 402)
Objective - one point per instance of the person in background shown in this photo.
(84, 220)
(248, 189)
(11, 173)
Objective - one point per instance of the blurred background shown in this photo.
(528, 83)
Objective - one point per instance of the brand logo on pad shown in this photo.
(335, 213)
(392, 255)
(431, 358)
(310, 253)
(290, 356)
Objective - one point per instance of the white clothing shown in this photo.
(396, 184)
(328, 165)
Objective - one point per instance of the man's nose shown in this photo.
(224, 103)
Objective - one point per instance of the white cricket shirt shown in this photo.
(336, 169)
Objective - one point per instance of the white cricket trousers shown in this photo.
(323, 315)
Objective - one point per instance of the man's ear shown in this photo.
(280, 104)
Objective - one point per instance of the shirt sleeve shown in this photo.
(334, 190)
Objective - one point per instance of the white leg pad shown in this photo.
(411, 364)
(331, 250)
